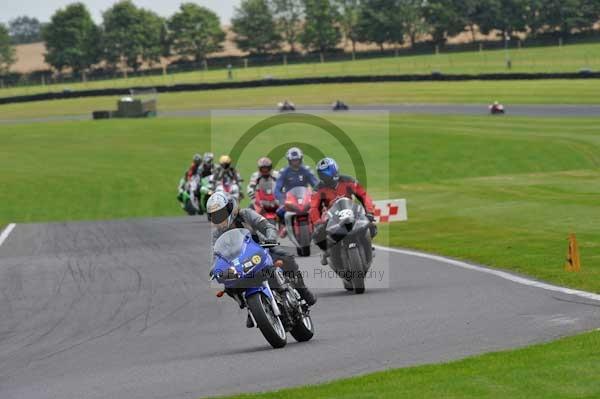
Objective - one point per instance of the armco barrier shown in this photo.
(299, 81)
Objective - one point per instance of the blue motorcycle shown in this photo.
(250, 276)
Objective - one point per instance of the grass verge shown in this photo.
(567, 368)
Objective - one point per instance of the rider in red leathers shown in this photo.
(333, 186)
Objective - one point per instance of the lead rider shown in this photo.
(224, 214)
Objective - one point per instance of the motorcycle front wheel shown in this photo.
(356, 269)
(189, 208)
(269, 324)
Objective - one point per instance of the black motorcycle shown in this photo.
(339, 106)
(349, 242)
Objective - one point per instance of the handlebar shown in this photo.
(269, 245)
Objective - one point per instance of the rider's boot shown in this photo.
(324, 256)
(304, 292)
(307, 295)
(249, 321)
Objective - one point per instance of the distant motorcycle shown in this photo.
(339, 106)
(297, 221)
(349, 240)
(265, 202)
(286, 106)
(496, 109)
(247, 271)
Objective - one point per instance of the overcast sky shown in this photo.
(43, 9)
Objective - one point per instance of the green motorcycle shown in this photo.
(188, 195)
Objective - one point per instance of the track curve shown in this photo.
(123, 309)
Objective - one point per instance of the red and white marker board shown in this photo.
(387, 211)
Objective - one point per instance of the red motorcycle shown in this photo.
(297, 221)
(265, 202)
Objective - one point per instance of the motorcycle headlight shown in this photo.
(231, 274)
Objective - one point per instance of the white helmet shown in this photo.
(294, 153)
(220, 208)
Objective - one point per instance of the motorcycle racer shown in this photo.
(207, 166)
(225, 170)
(333, 186)
(193, 169)
(296, 174)
(224, 214)
(265, 171)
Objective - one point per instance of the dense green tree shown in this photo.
(132, 35)
(195, 31)
(567, 15)
(381, 22)
(506, 16)
(254, 25)
(321, 32)
(349, 19)
(446, 18)
(413, 21)
(7, 51)
(72, 39)
(25, 30)
(288, 14)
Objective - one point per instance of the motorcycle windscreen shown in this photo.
(344, 217)
(232, 244)
(300, 196)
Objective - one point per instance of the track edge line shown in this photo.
(6, 232)
(499, 273)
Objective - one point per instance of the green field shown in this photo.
(504, 192)
(570, 58)
(476, 92)
(567, 368)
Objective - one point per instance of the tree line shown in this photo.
(132, 36)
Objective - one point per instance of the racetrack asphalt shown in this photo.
(123, 309)
(434, 109)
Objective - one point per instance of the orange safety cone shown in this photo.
(573, 263)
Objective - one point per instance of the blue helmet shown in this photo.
(328, 171)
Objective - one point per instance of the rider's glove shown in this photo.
(371, 217)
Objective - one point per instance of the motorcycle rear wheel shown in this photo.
(303, 330)
(270, 325)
